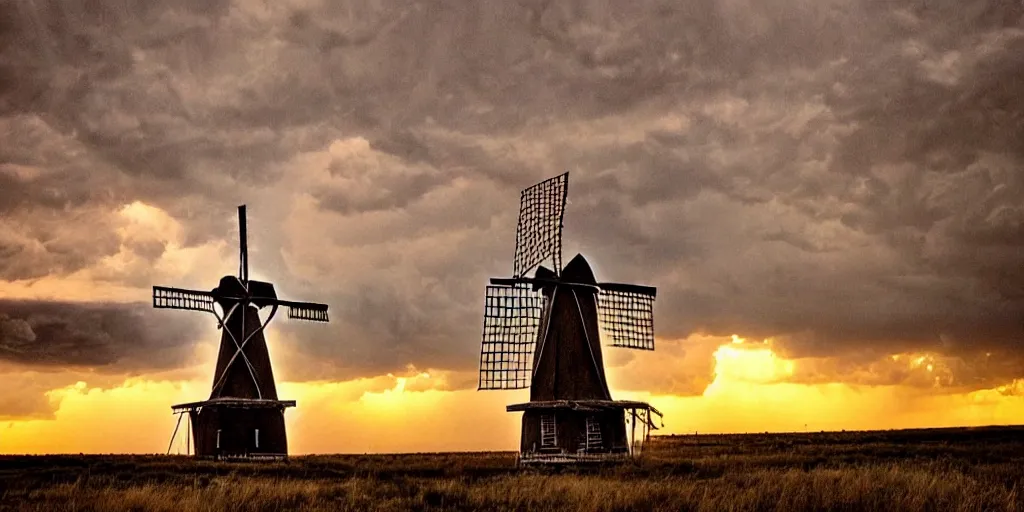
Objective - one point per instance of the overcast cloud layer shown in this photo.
(844, 175)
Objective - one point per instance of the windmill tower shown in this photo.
(544, 332)
(243, 417)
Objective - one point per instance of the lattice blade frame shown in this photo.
(179, 298)
(312, 312)
(511, 321)
(539, 231)
(626, 315)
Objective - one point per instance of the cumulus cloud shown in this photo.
(841, 176)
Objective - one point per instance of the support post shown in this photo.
(647, 426)
(174, 434)
(188, 435)
(632, 434)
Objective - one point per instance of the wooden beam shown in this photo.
(629, 288)
(632, 434)
(243, 245)
(511, 281)
(174, 434)
(577, 404)
(241, 403)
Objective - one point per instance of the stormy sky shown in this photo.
(844, 176)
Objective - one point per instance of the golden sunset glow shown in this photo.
(413, 412)
(756, 364)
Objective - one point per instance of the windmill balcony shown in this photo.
(575, 431)
(237, 428)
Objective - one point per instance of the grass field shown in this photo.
(941, 469)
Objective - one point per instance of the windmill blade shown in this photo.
(539, 232)
(511, 321)
(179, 298)
(243, 246)
(310, 311)
(626, 314)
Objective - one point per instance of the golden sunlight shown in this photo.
(752, 390)
(754, 364)
(332, 417)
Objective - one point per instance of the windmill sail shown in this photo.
(310, 311)
(539, 231)
(179, 298)
(511, 321)
(626, 315)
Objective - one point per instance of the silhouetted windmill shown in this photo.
(544, 332)
(243, 417)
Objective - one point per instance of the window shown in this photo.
(257, 438)
(547, 431)
(218, 439)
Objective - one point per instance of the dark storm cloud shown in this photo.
(940, 373)
(106, 337)
(401, 328)
(843, 176)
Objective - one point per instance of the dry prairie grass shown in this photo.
(947, 469)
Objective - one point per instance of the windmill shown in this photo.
(544, 332)
(243, 417)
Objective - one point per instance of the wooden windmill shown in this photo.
(544, 332)
(243, 417)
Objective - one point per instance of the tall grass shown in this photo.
(929, 470)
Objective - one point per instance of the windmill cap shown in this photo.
(259, 293)
(229, 286)
(579, 271)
